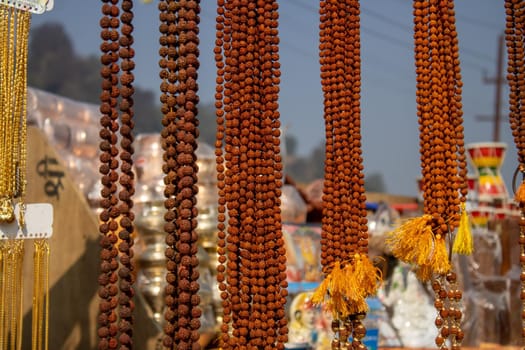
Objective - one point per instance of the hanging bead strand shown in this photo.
(514, 38)
(126, 279)
(222, 40)
(108, 290)
(242, 113)
(327, 76)
(269, 226)
(252, 263)
(443, 165)
(344, 235)
(179, 64)
(236, 271)
(422, 57)
(168, 54)
(252, 217)
(458, 168)
(331, 234)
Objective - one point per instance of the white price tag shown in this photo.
(34, 6)
(38, 219)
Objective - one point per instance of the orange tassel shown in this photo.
(345, 289)
(424, 273)
(415, 243)
(519, 196)
(412, 241)
(440, 262)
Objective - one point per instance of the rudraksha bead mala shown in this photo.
(514, 38)
(344, 235)
(127, 189)
(422, 241)
(116, 218)
(179, 63)
(252, 259)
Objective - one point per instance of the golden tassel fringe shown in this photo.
(424, 273)
(346, 288)
(40, 326)
(412, 241)
(11, 291)
(463, 243)
(439, 262)
(415, 243)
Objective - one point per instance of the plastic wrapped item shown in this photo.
(72, 129)
(486, 258)
(84, 171)
(409, 306)
(293, 207)
(303, 249)
(147, 158)
(487, 311)
(490, 297)
(381, 219)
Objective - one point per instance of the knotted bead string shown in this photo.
(514, 34)
(116, 280)
(514, 40)
(443, 160)
(344, 224)
(179, 64)
(126, 277)
(252, 261)
(108, 290)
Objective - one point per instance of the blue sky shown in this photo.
(390, 131)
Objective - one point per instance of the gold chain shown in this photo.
(40, 295)
(14, 37)
(11, 290)
(13, 107)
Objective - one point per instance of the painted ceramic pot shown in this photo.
(487, 159)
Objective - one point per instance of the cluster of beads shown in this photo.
(116, 280)
(514, 34)
(448, 303)
(344, 223)
(252, 261)
(439, 109)
(443, 160)
(178, 71)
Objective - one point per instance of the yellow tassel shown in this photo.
(440, 263)
(348, 287)
(424, 273)
(321, 292)
(412, 242)
(519, 197)
(415, 243)
(463, 243)
(334, 288)
(326, 285)
(366, 276)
